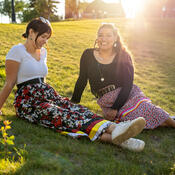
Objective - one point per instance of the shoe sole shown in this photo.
(134, 129)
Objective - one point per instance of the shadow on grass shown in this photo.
(48, 152)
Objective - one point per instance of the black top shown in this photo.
(92, 70)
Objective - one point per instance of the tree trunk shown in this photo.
(13, 12)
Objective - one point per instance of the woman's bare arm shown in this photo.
(12, 68)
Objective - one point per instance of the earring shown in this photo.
(30, 38)
(115, 44)
(95, 43)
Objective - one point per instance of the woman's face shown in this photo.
(106, 38)
(42, 40)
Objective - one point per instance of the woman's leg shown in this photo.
(118, 133)
(105, 137)
(109, 98)
(168, 123)
(131, 144)
(154, 115)
(72, 118)
(109, 114)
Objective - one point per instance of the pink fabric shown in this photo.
(137, 105)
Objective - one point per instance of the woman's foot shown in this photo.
(125, 130)
(132, 144)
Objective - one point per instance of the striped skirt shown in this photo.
(137, 105)
(41, 104)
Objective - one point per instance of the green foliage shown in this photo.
(45, 8)
(6, 140)
(6, 7)
(29, 14)
(9, 161)
(27, 11)
(2, 74)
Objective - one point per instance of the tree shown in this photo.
(30, 11)
(6, 8)
(46, 8)
(13, 12)
(82, 5)
(72, 8)
(32, 3)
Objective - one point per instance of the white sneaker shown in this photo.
(133, 144)
(126, 130)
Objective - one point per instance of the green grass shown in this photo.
(49, 153)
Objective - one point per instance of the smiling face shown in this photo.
(38, 32)
(38, 41)
(42, 40)
(106, 38)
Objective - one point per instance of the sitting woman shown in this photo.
(110, 72)
(39, 103)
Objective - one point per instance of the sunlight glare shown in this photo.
(132, 8)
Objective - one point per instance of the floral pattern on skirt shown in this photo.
(137, 105)
(41, 104)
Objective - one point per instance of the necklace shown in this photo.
(102, 79)
(100, 58)
(104, 60)
(101, 75)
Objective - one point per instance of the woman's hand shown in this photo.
(0, 112)
(111, 114)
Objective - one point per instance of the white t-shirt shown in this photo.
(29, 68)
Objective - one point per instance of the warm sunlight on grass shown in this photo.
(9, 167)
(49, 153)
(132, 8)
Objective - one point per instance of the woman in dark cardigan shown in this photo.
(110, 72)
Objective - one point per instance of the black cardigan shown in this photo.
(92, 70)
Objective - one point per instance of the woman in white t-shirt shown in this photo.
(39, 103)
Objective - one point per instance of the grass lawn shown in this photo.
(152, 45)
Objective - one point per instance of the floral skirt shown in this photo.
(41, 104)
(137, 105)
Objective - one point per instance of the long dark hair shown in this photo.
(39, 26)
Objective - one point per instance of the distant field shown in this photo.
(152, 45)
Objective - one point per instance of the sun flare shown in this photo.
(132, 8)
